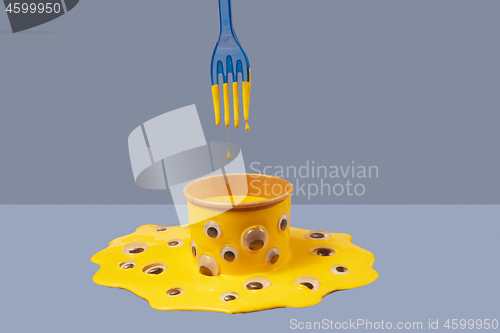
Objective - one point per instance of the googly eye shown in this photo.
(257, 283)
(212, 229)
(175, 292)
(339, 269)
(273, 255)
(174, 243)
(135, 248)
(162, 228)
(255, 239)
(154, 268)
(228, 253)
(127, 264)
(194, 252)
(207, 265)
(318, 235)
(308, 281)
(323, 251)
(283, 222)
(229, 296)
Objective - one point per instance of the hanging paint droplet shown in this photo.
(228, 153)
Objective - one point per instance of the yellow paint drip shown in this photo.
(246, 101)
(226, 103)
(246, 87)
(203, 293)
(215, 97)
(236, 103)
(228, 153)
(240, 257)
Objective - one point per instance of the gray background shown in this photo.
(409, 86)
(435, 262)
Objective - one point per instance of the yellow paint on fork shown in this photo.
(246, 97)
(215, 96)
(236, 102)
(226, 103)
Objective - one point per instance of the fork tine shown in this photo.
(215, 96)
(226, 103)
(229, 70)
(236, 102)
(246, 97)
(217, 69)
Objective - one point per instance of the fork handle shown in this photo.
(226, 22)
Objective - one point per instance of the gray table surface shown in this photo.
(435, 262)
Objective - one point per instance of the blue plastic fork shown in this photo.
(229, 57)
